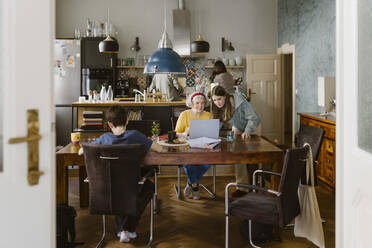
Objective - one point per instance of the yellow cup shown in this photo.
(75, 138)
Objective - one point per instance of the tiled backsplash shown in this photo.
(196, 68)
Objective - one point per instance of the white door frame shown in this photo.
(291, 49)
(28, 213)
(354, 165)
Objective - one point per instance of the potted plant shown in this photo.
(155, 130)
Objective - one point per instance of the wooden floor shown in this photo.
(192, 223)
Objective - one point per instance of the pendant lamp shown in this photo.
(199, 45)
(165, 60)
(108, 45)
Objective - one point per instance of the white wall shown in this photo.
(251, 25)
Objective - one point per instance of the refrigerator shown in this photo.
(67, 73)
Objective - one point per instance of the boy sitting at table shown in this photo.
(117, 120)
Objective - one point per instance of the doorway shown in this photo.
(289, 92)
(288, 98)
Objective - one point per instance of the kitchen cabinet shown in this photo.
(326, 166)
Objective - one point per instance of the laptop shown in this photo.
(209, 128)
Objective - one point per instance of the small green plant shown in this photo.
(155, 129)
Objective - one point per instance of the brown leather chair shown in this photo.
(270, 207)
(115, 183)
(145, 126)
(314, 137)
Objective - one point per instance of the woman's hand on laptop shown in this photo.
(245, 136)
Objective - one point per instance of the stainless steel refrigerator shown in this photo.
(67, 72)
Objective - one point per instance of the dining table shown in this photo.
(255, 150)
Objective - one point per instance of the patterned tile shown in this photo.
(132, 73)
(141, 81)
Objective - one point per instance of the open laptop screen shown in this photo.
(204, 128)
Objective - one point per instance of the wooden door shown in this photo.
(264, 81)
(27, 216)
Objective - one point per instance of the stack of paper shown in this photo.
(203, 142)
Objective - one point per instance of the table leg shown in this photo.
(83, 188)
(60, 180)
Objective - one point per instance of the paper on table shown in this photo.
(203, 142)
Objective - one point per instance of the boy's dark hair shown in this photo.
(117, 115)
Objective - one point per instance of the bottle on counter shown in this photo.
(95, 96)
(109, 94)
(102, 94)
(90, 96)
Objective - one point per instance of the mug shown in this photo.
(75, 138)
(225, 61)
(231, 62)
(239, 60)
(171, 136)
(81, 99)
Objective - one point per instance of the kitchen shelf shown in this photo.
(130, 66)
(227, 67)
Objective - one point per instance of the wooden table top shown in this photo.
(238, 151)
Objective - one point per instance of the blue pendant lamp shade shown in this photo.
(165, 60)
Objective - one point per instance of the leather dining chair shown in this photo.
(266, 206)
(115, 183)
(314, 137)
(144, 126)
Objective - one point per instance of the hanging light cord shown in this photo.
(165, 16)
(108, 22)
(199, 22)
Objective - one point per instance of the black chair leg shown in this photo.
(250, 236)
(156, 206)
(102, 241)
(149, 244)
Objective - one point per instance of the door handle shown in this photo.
(32, 140)
(250, 93)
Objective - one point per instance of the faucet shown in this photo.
(142, 94)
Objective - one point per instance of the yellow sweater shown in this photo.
(183, 121)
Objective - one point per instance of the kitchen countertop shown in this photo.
(129, 103)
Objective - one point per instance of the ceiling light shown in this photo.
(165, 60)
(108, 45)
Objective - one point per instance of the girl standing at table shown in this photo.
(197, 102)
(235, 111)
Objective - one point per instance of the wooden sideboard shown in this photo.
(326, 167)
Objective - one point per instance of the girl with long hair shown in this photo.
(235, 111)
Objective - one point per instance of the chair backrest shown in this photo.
(314, 137)
(293, 167)
(143, 126)
(113, 173)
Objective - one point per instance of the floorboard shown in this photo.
(190, 223)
